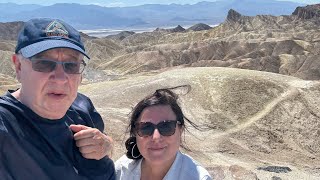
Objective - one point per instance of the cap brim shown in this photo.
(41, 46)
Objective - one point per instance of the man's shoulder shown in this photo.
(8, 102)
(83, 107)
(6, 117)
(82, 101)
(6, 109)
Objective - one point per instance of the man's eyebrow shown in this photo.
(40, 55)
(70, 55)
(74, 55)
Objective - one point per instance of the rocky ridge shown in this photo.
(172, 30)
(281, 44)
(308, 12)
(10, 30)
(199, 27)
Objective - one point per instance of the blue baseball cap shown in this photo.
(38, 35)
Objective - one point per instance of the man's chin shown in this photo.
(56, 111)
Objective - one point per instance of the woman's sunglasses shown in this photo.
(165, 128)
(45, 65)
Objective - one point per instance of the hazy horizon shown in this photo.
(125, 3)
(114, 31)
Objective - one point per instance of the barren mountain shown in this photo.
(121, 35)
(9, 31)
(260, 123)
(287, 45)
(151, 15)
(308, 12)
(199, 27)
(172, 30)
(281, 44)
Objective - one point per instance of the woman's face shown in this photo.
(157, 148)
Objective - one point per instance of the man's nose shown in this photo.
(59, 73)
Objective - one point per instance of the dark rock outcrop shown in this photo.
(178, 29)
(276, 169)
(276, 178)
(233, 15)
(199, 27)
(173, 30)
(308, 12)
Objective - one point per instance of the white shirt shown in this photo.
(183, 167)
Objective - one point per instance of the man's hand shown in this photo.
(92, 143)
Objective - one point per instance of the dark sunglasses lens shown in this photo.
(71, 67)
(167, 128)
(145, 129)
(43, 65)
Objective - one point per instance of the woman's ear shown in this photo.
(17, 65)
(181, 129)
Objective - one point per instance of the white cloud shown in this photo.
(115, 4)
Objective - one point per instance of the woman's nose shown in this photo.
(156, 134)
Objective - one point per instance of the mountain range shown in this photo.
(150, 15)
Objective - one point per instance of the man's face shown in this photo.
(49, 94)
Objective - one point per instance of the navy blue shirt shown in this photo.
(32, 147)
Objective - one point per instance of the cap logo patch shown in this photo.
(55, 28)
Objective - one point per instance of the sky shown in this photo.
(123, 3)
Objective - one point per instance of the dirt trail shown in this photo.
(290, 93)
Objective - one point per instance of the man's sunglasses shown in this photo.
(165, 128)
(46, 65)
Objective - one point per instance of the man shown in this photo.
(47, 129)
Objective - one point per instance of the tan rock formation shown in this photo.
(287, 45)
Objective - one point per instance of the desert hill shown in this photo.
(147, 15)
(308, 12)
(287, 45)
(257, 119)
(281, 44)
(9, 31)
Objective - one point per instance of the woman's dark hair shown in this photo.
(159, 97)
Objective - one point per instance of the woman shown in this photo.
(156, 126)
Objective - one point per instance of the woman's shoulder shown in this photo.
(191, 167)
(126, 168)
(124, 162)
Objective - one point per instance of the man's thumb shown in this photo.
(76, 128)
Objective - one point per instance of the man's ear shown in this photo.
(81, 76)
(17, 65)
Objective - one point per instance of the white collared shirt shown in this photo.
(183, 167)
